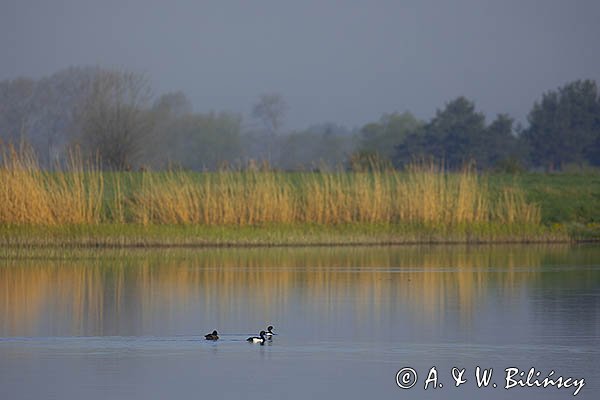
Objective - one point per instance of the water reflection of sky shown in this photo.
(335, 309)
(392, 293)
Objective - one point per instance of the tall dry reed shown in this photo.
(220, 198)
(31, 195)
(424, 194)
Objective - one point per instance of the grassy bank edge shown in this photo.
(132, 235)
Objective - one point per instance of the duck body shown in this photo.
(257, 339)
(212, 336)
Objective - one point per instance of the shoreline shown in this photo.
(279, 235)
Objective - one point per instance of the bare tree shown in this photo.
(41, 112)
(270, 109)
(15, 108)
(54, 104)
(115, 119)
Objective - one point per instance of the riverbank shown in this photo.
(130, 235)
(80, 205)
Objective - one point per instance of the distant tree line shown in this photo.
(564, 128)
(458, 134)
(113, 115)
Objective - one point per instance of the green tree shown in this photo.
(203, 141)
(165, 145)
(383, 136)
(564, 127)
(173, 104)
(500, 147)
(319, 146)
(455, 135)
(458, 134)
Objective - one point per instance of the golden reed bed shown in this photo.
(80, 193)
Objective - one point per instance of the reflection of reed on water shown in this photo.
(106, 292)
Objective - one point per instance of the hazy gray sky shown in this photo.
(339, 61)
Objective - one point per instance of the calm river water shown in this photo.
(130, 324)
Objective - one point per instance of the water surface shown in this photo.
(130, 324)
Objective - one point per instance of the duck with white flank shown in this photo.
(269, 334)
(255, 339)
(212, 336)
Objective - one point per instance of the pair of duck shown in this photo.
(268, 335)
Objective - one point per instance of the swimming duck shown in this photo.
(212, 336)
(255, 339)
(269, 334)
